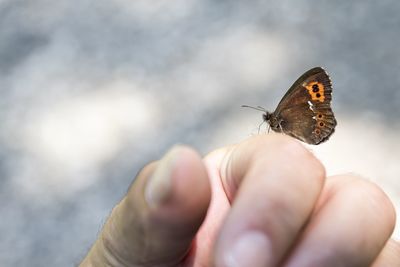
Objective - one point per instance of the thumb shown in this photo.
(155, 223)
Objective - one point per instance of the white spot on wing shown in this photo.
(311, 106)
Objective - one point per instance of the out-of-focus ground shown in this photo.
(92, 90)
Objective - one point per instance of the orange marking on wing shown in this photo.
(316, 90)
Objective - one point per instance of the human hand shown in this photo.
(263, 202)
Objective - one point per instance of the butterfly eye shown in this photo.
(317, 131)
(315, 88)
(318, 95)
(321, 124)
(320, 116)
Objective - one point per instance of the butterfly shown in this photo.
(305, 110)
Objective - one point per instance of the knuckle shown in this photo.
(377, 200)
(298, 156)
(369, 196)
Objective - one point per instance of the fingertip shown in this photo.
(174, 184)
(191, 190)
(177, 190)
(379, 203)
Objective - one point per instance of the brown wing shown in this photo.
(305, 112)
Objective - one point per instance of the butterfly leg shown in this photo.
(280, 126)
(259, 127)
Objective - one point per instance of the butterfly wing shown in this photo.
(305, 111)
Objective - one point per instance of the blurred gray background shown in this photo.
(92, 90)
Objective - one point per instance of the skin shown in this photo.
(263, 202)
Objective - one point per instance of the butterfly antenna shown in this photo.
(259, 108)
(256, 108)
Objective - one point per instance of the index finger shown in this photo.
(273, 183)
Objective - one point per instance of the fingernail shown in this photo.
(158, 188)
(251, 249)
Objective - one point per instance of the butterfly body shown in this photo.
(305, 110)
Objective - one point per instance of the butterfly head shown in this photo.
(272, 120)
(267, 116)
